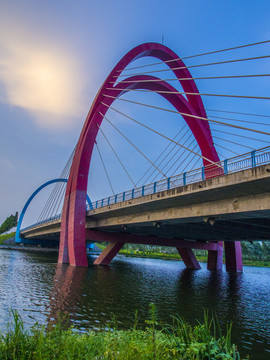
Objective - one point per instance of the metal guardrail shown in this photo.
(225, 167)
(51, 219)
(228, 166)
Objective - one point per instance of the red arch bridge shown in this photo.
(210, 207)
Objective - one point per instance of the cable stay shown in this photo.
(189, 154)
(240, 113)
(233, 152)
(196, 66)
(124, 168)
(163, 151)
(233, 142)
(158, 133)
(56, 195)
(188, 115)
(239, 135)
(175, 155)
(131, 143)
(195, 78)
(174, 146)
(240, 120)
(197, 55)
(194, 166)
(104, 167)
(184, 160)
(194, 94)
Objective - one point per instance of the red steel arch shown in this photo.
(72, 239)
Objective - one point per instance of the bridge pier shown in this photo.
(215, 258)
(189, 258)
(233, 255)
(109, 253)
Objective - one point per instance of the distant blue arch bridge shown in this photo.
(176, 202)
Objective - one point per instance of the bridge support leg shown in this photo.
(189, 258)
(215, 257)
(233, 254)
(109, 253)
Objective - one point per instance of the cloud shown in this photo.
(6, 164)
(39, 78)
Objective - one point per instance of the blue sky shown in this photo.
(56, 54)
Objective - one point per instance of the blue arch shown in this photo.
(18, 229)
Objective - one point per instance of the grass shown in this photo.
(6, 237)
(181, 341)
(164, 256)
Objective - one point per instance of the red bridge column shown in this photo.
(215, 258)
(233, 255)
(189, 258)
(109, 253)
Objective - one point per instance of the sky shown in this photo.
(55, 55)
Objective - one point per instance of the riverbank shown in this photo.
(165, 256)
(179, 341)
(138, 254)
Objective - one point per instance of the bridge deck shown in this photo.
(230, 207)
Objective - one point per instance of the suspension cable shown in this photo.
(188, 115)
(197, 55)
(131, 143)
(158, 133)
(117, 156)
(198, 65)
(104, 167)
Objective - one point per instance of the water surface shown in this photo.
(40, 289)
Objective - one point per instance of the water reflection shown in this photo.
(66, 292)
(40, 289)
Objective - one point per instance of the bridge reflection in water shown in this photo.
(91, 297)
(40, 289)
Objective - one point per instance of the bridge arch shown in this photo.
(18, 229)
(72, 239)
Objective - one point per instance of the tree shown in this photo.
(266, 250)
(9, 223)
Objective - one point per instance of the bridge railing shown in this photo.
(51, 219)
(227, 166)
(224, 167)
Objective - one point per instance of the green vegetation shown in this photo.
(9, 223)
(179, 341)
(6, 237)
(254, 253)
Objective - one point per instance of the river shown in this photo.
(33, 284)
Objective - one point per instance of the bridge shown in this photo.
(222, 201)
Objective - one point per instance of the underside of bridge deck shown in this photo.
(229, 208)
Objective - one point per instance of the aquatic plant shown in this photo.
(180, 340)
